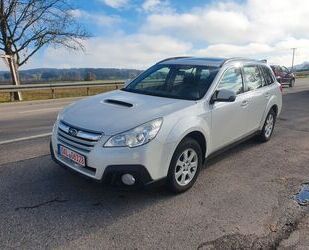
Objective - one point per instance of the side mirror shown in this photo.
(223, 95)
(127, 82)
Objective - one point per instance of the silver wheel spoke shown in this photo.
(191, 174)
(191, 157)
(179, 173)
(183, 178)
(194, 165)
(179, 163)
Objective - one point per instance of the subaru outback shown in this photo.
(164, 124)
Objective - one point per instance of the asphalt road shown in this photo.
(243, 198)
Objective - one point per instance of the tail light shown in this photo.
(280, 86)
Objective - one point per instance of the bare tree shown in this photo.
(28, 25)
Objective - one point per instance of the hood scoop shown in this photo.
(119, 103)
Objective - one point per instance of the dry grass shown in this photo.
(302, 74)
(59, 93)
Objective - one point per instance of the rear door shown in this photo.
(256, 96)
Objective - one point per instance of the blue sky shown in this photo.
(137, 33)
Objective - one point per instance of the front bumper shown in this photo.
(113, 173)
(148, 163)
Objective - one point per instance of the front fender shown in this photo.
(187, 125)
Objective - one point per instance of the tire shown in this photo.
(292, 83)
(183, 172)
(268, 127)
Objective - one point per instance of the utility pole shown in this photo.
(294, 49)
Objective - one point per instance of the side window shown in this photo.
(268, 75)
(232, 80)
(285, 70)
(252, 77)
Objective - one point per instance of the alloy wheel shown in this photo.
(269, 125)
(186, 167)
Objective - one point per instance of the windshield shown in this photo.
(174, 81)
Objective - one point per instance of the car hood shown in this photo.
(117, 111)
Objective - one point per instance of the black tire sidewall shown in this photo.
(183, 145)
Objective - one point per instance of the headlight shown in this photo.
(137, 136)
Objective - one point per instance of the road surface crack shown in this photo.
(290, 215)
(56, 200)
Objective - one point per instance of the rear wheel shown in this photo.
(185, 165)
(292, 83)
(268, 127)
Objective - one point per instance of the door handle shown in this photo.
(267, 95)
(244, 103)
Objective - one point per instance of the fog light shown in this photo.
(128, 179)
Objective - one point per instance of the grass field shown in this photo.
(59, 93)
(302, 74)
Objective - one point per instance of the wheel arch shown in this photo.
(200, 138)
(274, 107)
(273, 104)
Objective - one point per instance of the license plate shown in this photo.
(72, 155)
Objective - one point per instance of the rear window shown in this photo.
(269, 78)
(252, 77)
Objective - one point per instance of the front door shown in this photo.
(228, 118)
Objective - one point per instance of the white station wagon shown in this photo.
(164, 124)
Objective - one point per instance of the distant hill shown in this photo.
(302, 67)
(74, 74)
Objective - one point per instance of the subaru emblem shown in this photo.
(73, 132)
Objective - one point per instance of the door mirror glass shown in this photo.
(223, 95)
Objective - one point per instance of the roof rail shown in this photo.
(172, 58)
(235, 59)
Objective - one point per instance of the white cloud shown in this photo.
(98, 19)
(116, 3)
(156, 6)
(252, 21)
(279, 53)
(137, 51)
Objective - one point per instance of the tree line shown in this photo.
(78, 74)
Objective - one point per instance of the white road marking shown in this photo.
(40, 110)
(25, 138)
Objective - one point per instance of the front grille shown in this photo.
(77, 138)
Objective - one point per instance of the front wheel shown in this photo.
(185, 165)
(292, 83)
(268, 127)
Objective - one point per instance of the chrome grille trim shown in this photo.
(81, 140)
(82, 134)
(75, 139)
(74, 145)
